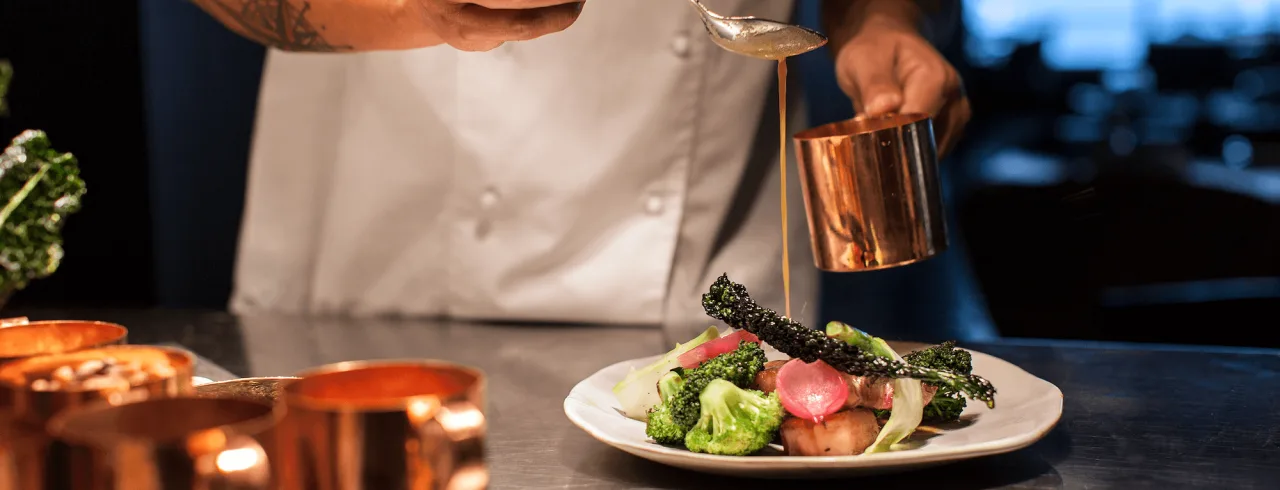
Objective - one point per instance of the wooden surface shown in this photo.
(1135, 416)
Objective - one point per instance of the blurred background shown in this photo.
(1119, 180)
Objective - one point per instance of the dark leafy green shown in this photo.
(39, 188)
(6, 76)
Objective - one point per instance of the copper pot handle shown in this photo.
(452, 448)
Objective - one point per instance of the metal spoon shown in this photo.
(759, 38)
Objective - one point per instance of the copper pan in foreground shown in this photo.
(871, 192)
(183, 443)
(385, 425)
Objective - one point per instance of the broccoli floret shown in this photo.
(738, 367)
(947, 404)
(661, 426)
(734, 421)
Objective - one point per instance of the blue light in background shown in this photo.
(1237, 151)
(1108, 34)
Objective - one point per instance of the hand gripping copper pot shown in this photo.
(871, 192)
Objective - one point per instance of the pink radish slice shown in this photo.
(811, 390)
(712, 348)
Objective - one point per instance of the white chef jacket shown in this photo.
(606, 174)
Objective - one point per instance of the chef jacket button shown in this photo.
(653, 205)
(489, 199)
(680, 45)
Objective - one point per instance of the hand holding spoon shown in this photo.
(759, 38)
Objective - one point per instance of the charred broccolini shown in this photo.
(728, 301)
(947, 404)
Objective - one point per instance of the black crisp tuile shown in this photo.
(728, 301)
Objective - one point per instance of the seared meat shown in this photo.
(844, 433)
(867, 392)
(767, 378)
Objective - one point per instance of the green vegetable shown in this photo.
(947, 404)
(638, 392)
(860, 339)
(6, 76)
(734, 421)
(738, 367)
(908, 394)
(661, 426)
(728, 301)
(39, 188)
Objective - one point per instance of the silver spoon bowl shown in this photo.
(759, 38)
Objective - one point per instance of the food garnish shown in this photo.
(947, 403)
(638, 392)
(725, 344)
(734, 421)
(729, 302)
(811, 390)
(39, 188)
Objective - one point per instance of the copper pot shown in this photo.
(20, 339)
(166, 444)
(30, 405)
(871, 192)
(24, 448)
(264, 389)
(384, 425)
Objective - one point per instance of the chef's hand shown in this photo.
(885, 65)
(380, 25)
(482, 25)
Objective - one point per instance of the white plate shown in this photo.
(1027, 408)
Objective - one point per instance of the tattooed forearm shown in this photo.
(281, 24)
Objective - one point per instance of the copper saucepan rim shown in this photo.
(302, 378)
(9, 373)
(116, 333)
(859, 126)
(257, 424)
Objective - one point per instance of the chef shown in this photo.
(540, 160)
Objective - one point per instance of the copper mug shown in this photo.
(871, 192)
(384, 425)
(182, 443)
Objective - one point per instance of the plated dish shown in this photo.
(830, 401)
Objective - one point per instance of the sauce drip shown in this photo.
(782, 163)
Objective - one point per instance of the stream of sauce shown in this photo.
(782, 163)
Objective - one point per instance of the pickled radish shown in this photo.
(811, 391)
(710, 349)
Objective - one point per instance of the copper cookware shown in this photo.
(167, 444)
(265, 389)
(24, 448)
(384, 425)
(30, 405)
(871, 192)
(21, 339)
